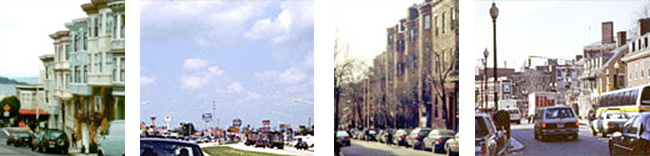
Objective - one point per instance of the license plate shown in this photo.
(51, 146)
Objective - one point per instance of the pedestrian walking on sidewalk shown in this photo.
(74, 139)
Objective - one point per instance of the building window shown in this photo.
(122, 26)
(390, 39)
(435, 23)
(85, 77)
(443, 22)
(427, 21)
(122, 67)
(452, 11)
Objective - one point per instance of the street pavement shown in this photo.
(286, 151)
(585, 145)
(358, 147)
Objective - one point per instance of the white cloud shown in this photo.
(145, 80)
(215, 70)
(195, 63)
(195, 81)
(292, 75)
(236, 87)
(290, 24)
(253, 95)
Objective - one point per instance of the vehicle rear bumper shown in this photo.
(560, 131)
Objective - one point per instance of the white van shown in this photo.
(112, 141)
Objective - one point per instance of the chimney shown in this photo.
(607, 32)
(621, 38)
(644, 26)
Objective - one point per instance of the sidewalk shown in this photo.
(515, 145)
(77, 151)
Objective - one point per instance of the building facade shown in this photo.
(638, 58)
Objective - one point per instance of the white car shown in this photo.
(515, 115)
(112, 142)
(608, 122)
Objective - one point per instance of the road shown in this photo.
(587, 144)
(11, 150)
(359, 147)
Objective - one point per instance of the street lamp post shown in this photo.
(486, 53)
(494, 13)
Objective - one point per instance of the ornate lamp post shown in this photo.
(494, 13)
(486, 53)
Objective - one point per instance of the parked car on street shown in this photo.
(112, 141)
(162, 146)
(53, 140)
(20, 138)
(451, 146)
(515, 115)
(379, 136)
(488, 140)
(634, 138)
(399, 137)
(415, 138)
(343, 137)
(558, 120)
(436, 140)
(370, 135)
(608, 122)
(37, 138)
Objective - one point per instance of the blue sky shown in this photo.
(557, 29)
(254, 59)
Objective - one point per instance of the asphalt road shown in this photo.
(11, 150)
(359, 147)
(587, 144)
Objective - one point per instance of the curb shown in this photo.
(515, 145)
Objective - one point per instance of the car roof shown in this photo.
(556, 106)
(165, 140)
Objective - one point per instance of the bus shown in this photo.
(630, 100)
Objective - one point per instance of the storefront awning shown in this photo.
(32, 112)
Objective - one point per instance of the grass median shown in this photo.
(224, 150)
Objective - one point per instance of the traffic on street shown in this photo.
(10, 146)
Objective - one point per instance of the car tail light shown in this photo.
(440, 140)
(12, 138)
(403, 136)
(577, 123)
(47, 139)
(417, 137)
(20, 139)
(346, 138)
(543, 125)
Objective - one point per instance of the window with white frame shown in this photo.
(427, 21)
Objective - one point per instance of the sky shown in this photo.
(26, 37)
(367, 40)
(253, 59)
(556, 29)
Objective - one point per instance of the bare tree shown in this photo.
(346, 71)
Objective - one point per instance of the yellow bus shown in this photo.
(630, 100)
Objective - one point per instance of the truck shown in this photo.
(538, 100)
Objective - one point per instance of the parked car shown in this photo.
(162, 146)
(343, 137)
(451, 146)
(634, 138)
(53, 140)
(488, 140)
(370, 135)
(112, 141)
(515, 115)
(558, 120)
(379, 136)
(415, 138)
(20, 138)
(608, 122)
(276, 140)
(436, 140)
(399, 137)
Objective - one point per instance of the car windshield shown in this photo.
(55, 134)
(618, 115)
(424, 132)
(480, 129)
(400, 132)
(554, 113)
(341, 134)
(21, 134)
(168, 148)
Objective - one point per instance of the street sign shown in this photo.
(236, 122)
(207, 117)
(266, 122)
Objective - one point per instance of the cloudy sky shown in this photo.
(362, 24)
(254, 59)
(26, 37)
(557, 29)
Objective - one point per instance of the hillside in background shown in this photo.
(4, 80)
